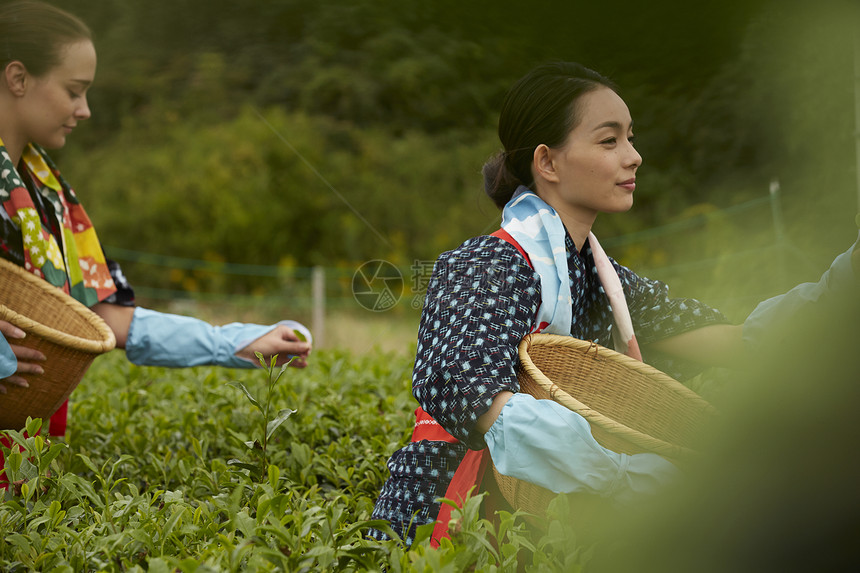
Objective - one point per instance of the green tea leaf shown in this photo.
(280, 419)
(247, 393)
(254, 468)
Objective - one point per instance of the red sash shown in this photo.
(470, 472)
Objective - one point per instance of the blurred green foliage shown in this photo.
(300, 133)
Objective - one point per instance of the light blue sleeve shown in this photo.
(161, 339)
(776, 314)
(8, 362)
(542, 442)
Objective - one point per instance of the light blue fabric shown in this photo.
(160, 339)
(539, 231)
(542, 442)
(776, 314)
(8, 362)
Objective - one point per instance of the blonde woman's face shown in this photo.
(55, 102)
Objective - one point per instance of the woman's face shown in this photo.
(594, 171)
(55, 102)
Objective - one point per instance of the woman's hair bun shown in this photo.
(499, 182)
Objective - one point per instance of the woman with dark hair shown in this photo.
(568, 155)
(48, 63)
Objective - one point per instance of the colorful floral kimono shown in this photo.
(45, 229)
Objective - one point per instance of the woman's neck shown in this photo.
(577, 223)
(578, 234)
(12, 145)
(577, 220)
(15, 154)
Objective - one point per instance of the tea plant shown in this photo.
(29, 458)
(260, 447)
(145, 480)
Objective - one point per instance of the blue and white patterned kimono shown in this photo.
(482, 299)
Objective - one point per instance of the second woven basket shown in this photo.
(631, 407)
(68, 333)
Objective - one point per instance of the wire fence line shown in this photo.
(312, 291)
(229, 268)
(676, 227)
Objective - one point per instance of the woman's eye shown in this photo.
(632, 140)
(608, 141)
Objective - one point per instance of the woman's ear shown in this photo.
(542, 164)
(16, 77)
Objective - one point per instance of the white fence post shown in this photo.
(779, 230)
(318, 308)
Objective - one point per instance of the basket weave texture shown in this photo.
(631, 406)
(68, 333)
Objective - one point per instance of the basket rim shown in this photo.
(93, 346)
(594, 417)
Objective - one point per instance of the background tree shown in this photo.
(224, 120)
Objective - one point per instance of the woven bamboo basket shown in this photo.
(68, 333)
(631, 407)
